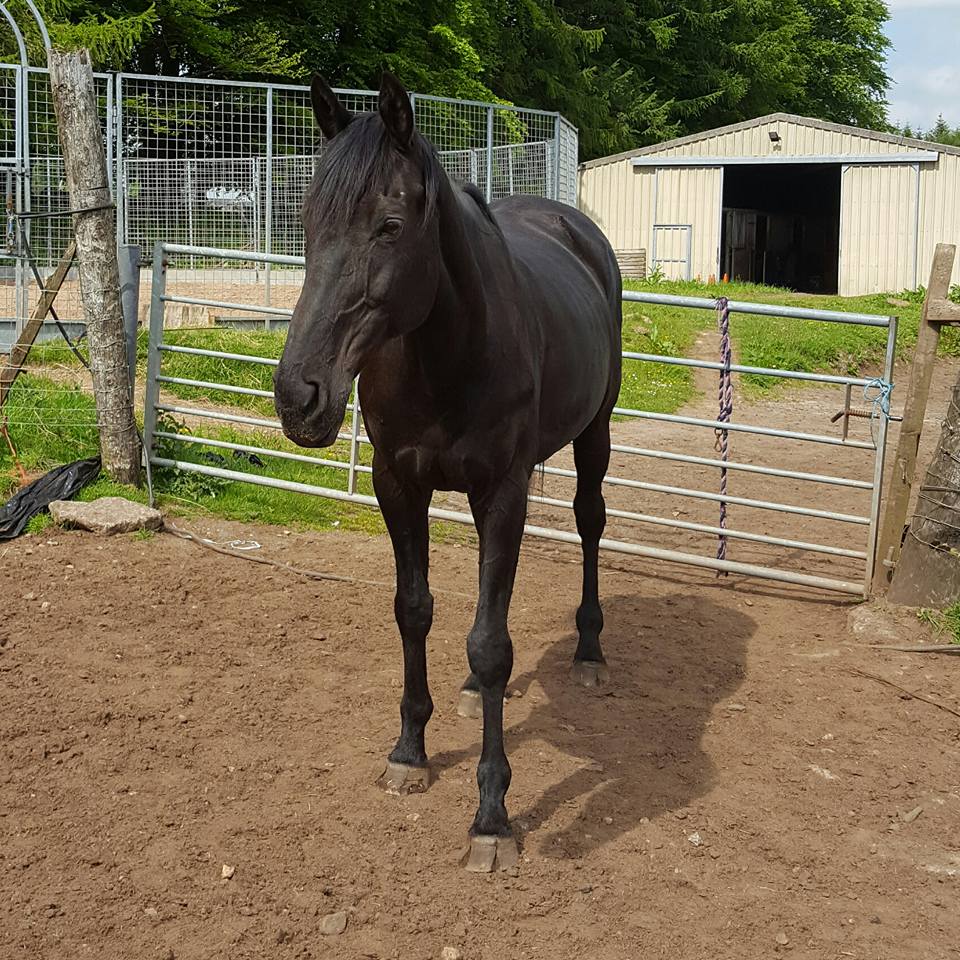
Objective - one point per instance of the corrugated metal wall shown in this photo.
(690, 195)
(880, 218)
(878, 228)
(939, 211)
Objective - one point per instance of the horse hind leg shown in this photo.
(591, 452)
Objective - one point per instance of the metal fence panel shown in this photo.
(852, 556)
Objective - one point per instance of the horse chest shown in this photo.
(461, 466)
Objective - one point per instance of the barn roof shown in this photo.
(767, 120)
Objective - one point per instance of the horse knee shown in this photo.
(414, 613)
(490, 655)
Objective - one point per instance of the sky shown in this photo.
(923, 61)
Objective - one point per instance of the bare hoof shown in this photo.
(470, 705)
(488, 854)
(400, 779)
(589, 673)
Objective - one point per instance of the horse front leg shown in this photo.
(499, 514)
(405, 511)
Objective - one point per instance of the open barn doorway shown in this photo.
(781, 225)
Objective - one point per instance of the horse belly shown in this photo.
(578, 374)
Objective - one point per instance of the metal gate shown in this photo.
(168, 445)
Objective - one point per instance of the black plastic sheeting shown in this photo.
(61, 483)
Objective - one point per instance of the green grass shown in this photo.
(49, 424)
(943, 622)
(669, 332)
(214, 370)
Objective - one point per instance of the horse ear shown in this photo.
(331, 114)
(396, 110)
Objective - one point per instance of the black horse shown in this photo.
(486, 338)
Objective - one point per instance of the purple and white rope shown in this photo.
(726, 411)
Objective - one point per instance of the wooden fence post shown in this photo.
(81, 136)
(937, 310)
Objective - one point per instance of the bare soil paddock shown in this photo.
(739, 790)
(173, 711)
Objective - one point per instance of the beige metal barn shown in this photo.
(786, 200)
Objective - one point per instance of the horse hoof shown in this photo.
(470, 705)
(487, 854)
(400, 779)
(589, 673)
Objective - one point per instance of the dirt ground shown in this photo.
(739, 790)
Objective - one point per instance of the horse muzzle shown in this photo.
(311, 414)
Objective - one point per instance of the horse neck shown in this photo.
(455, 331)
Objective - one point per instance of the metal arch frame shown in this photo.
(17, 32)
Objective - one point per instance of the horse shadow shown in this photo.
(636, 742)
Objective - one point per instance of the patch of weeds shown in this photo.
(144, 535)
(943, 622)
(39, 524)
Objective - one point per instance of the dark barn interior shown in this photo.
(781, 225)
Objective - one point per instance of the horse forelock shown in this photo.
(361, 159)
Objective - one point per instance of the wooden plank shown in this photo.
(944, 311)
(914, 411)
(18, 354)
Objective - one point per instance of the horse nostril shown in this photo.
(294, 393)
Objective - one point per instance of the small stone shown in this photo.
(782, 939)
(30, 596)
(715, 854)
(450, 953)
(586, 888)
(736, 707)
(284, 936)
(608, 820)
(182, 717)
(227, 872)
(152, 912)
(333, 924)
(45, 606)
(695, 839)
(911, 815)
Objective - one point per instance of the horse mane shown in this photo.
(362, 157)
(476, 194)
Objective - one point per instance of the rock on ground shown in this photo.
(107, 515)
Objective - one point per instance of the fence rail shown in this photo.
(352, 464)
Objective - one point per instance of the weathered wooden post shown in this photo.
(928, 571)
(937, 310)
(81, 137)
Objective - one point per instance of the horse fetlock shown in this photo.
(416, 711)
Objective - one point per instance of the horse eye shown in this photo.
(391, 227)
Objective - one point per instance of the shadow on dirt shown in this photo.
(638, 738)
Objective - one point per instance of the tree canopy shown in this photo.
(626, 72)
